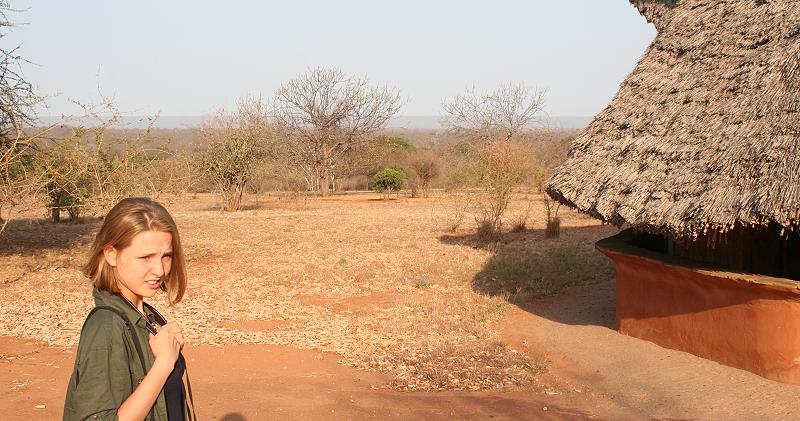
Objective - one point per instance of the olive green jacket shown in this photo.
(107, 366)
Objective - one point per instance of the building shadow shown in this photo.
(563, 279)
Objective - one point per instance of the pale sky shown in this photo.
(192, 57)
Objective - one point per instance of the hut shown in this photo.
(698, 158)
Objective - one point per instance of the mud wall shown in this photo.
(746, 321)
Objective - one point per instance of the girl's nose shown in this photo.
(157, 267)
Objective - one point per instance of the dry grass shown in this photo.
(382, 283)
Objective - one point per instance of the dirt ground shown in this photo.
(354, 308)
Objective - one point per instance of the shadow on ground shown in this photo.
(530, 271)
(27, 236)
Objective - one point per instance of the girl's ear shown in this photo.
(110, 254)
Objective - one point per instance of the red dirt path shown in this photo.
(257, 382)
(594, 373)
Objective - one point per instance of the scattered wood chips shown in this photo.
(371, 280)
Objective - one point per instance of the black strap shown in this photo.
(189, 389)
(158, 316)
(134, 338)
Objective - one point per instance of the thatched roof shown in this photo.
(705, 132)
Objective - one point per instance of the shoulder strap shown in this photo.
(159, 317)
(134, 338)
(191, 398)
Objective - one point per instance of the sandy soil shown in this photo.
(615, 377)
(267, 382)
(636, 375)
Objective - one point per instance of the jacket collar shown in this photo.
(105, 298)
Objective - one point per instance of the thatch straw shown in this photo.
(656, 12)
(705, 132)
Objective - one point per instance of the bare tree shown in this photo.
(20, 182)
(326, 113)
(237, 144)
(500, 114)
(502, 163)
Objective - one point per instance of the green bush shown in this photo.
(388, 180)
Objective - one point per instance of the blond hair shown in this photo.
(127, 219)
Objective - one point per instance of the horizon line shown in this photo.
(191, 121)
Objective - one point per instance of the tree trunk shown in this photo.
(324, 184)
(235, 198)
(74, 213)
(324, 181)
(325, 168)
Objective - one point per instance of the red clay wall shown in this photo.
(748, 322)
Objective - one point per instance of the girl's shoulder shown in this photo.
(102, 328)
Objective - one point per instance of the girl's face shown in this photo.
(141, 267)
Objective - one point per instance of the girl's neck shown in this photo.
(135, 300)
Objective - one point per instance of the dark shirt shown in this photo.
(173, 391)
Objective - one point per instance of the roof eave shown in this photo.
(656, 12)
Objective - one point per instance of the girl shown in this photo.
(128, 365)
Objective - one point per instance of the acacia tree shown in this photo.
(326, 113)
(90, 169)
(237, 144)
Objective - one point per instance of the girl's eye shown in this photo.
(145, 258)
(167, 256)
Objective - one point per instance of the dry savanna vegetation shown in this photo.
(286, 243)
(387, 285)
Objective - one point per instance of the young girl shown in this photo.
(129, 365)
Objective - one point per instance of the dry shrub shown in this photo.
(237, 144)
(553, 229)
(487, 232)
(551, 206)
(422, 169)
(458, 203)
(501, 169)
(21, 184)
(353, 183)
(519, 226)
(273, 177)
(91, 169)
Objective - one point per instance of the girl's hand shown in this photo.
(177, 331)
(165, 345)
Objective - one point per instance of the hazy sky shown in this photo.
(192, 57)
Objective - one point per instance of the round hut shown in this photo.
(698, 157)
